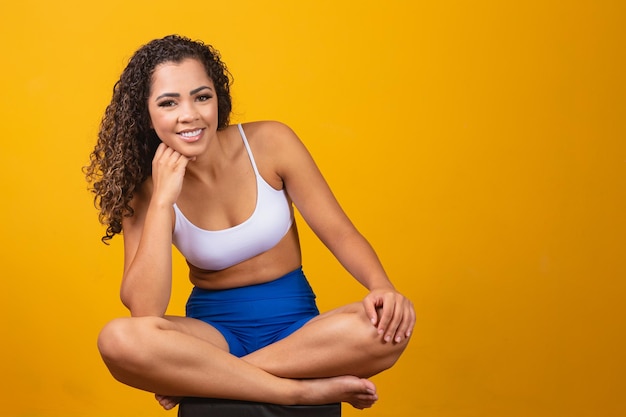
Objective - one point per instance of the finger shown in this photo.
(183, 160)
(392, 332)
(370, 310)
(408, 321)
(386, 315)
(162, 147)
(162, 156)
(412, 321)
(170, 158)
(165, 402)
(170, 154)
(159, 152)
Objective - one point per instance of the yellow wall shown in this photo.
(478, 144)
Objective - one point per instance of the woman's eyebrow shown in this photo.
(197, 90)
(167, 95)
(191, 93)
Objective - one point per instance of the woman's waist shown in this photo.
(289, 285)
(264, 268)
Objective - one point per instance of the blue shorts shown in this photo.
(255, 316)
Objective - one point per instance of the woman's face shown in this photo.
(183, 106)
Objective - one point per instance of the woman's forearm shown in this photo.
(358, 257)
(147, 282)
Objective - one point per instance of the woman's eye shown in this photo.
(166, 103)
(204, 97)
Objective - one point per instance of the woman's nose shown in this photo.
(188, 113)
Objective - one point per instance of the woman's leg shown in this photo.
(340, 342)
(186, 357)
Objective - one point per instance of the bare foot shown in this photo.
(360, 393)
(166, 401)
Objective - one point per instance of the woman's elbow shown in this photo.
(141, 307)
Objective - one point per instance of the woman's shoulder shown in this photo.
(269, 134)
(274, 145)
(265, 128)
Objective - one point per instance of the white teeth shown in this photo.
(191, 134)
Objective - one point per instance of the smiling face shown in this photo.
(183, 106)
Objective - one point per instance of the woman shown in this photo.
(169, 169)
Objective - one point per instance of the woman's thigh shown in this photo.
(199, 329)
(355, 308)
(341, 341)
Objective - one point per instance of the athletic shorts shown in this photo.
(255, 316)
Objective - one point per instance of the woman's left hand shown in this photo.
(391, 312)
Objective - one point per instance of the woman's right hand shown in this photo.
(168, 171)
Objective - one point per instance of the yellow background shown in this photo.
(479, 145)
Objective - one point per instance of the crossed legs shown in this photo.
(325, 361)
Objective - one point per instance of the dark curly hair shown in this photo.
(122, 158)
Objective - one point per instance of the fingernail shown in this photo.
(398, 339)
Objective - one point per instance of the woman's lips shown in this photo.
(191, 135)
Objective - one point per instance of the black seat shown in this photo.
(211, 407)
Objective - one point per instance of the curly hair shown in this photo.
(122, 157)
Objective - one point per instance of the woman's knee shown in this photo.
(384, 353)
(112, 339)
(120, 340)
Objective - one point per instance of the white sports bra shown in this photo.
(216, 250)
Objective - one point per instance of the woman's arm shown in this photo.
(147, 281)
(391, 312)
